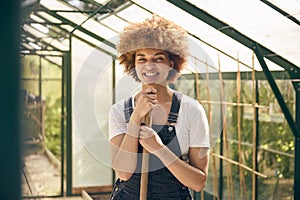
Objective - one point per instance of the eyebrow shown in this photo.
(158, 53)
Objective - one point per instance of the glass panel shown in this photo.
(88, 39)
(57, 44)
(27, 46)
(34, 32)
(131, 13)
(292, 7)
(54, 59)
(92, 78)
(62, 45)
(36, 18)
(55, 5)
(101, 1)
(77, 18)
(114, 22)
(259, 22)
(49, 17)
(98, 29)
(98, 43)
(41, 140)
(91, 25)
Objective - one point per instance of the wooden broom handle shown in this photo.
(145, 163)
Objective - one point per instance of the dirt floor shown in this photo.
(41, 180)
(40, 177)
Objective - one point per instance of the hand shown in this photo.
(150, 140)
(147, 100)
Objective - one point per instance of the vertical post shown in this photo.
(255, 129)
(297, 145)
(221, 153)
(197, 196)
(69, 138)
(40, 109)
(113, 100)
(62, 122)
(239, 128)
(10, 183)
(257, 136)
(222, 94)
(213, 158)
(40, 78)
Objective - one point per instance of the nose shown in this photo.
(149, 64)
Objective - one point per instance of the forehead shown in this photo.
(150, 51)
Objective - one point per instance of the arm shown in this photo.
(124, 147)
(192, 174)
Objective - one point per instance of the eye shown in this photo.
(141, 59)
(159, 59)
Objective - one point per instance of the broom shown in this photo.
(145, 163)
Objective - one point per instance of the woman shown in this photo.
(153, 52)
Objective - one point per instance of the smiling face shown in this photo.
(152, 66)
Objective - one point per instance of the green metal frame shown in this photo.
(63, 120)
(257, 134)
(97, 37)
(259, 75)
(285, 14)
(80, 38)
(68, 95)
(277, 93)
(293, 125)
(297, 149)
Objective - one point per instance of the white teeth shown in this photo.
(151, 74)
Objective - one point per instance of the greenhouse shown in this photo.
(243, 68)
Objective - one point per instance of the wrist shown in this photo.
(135, 118)
(166, 155)
(133, 129)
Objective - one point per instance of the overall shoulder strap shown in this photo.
(176, 100)
(128, 109)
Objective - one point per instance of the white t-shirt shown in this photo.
(192, 128)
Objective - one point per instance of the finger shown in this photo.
(152, 90)
(151, 96)
(146, 129)
(152, 102)
(149, 90)
(144, 135)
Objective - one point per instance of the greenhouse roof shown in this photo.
(225, 31)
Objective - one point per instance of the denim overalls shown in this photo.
(162, 184)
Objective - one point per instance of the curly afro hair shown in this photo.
(157, 33)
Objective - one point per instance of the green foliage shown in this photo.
(30, 129)
(276, 140)
(53, 126)
(51, 92)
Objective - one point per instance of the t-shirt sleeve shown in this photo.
(116, 120)
(199, 128)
